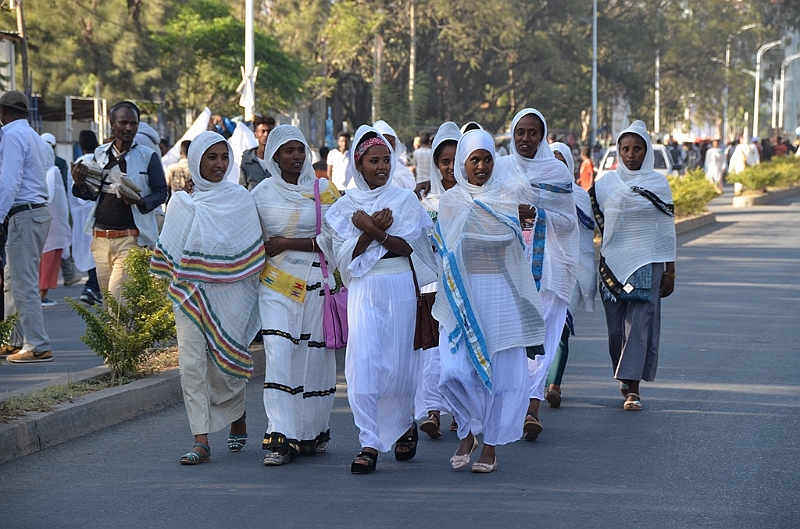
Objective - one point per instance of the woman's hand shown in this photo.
(383, 219)
(526, 211)
(276, 245)
(188, 186)
(668, 280)
(363, 222)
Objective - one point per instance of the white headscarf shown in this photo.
(479, 238)
(546, 183)
(212, 250)
(402, 176)
(566, 152)
(411, 222)
(289, 210)
(448, 131)
(635, 232)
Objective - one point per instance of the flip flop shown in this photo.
(632, 405)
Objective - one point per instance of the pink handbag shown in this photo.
(334, 314)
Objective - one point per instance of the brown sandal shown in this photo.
(431, 426)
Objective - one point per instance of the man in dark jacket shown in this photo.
(253, 168)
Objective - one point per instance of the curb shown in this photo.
(694, 222)
(95, 411)
(746, 201)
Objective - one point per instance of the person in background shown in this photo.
(163, 147)
(423, 164)
(59, 236)
(321, 166)
(253, 168)
(82, 241)
(715, 165)
(586, 171)
(178, 173)
(68, 271)
(24, 159)
(338, 160)
(402, 176)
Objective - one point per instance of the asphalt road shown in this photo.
(716, 445)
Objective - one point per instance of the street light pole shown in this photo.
(727, 76)
(784, 64)
(593, 135)
(761, 51)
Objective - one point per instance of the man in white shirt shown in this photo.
(715, 165)
(23, 208)
(338, 160)
(423, 161)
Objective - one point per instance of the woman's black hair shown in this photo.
(364, 138)
(439, 148)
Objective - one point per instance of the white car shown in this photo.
(663, 160)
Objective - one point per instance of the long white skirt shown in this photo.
(300, 379)
(554, 312)
(81, 241)
(381, 366)
(429, 396)
(496, 413)
(213, 399)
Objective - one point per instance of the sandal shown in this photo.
(623, 388)
(460, 461)
(453, 425)
(484, 468)
(237, 441)
(273, 458)
(633, 403)
(553, 398)
(308, 448)
(194, 458)
(321, 445)
(361, 468)
(431, 426)
(407, 441)
(532, 427)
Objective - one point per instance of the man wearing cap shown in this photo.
(24, 158)
(132, 187)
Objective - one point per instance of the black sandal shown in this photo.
(361, 468)
(407, 441)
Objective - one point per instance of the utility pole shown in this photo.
(412, 64)
(23, 49)
(593, 133)
(657, 117)
(376, 77)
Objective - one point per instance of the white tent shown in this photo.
(241, 140)
(199, 125)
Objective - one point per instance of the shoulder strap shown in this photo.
(413, 274)
(598, 213)
(663, 207)
(322, 263)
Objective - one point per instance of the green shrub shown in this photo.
(691, 192)
(6, 326)
(124, 333)
(778, 172)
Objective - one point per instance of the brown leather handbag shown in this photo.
(426, 331)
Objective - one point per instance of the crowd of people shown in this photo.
(504, 243)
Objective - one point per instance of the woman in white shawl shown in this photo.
(634, 211)
(430, 402)
(300, 372)
(371, 232)
(487, 305)
(586, 285)
(546, 199)
(59, 237)
(214, 290)
(402, 177)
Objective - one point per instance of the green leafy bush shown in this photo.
(778, 172)
(691, 192)
(124, 333)
(6, 326)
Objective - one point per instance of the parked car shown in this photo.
(663, 160)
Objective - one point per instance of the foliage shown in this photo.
(123, 334)
(6, 326)
(691, 192)
(778, 172)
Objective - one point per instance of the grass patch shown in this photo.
(47, 399)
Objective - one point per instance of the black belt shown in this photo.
(25, 207)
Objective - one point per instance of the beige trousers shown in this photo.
(109, 257)
(213, 399)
